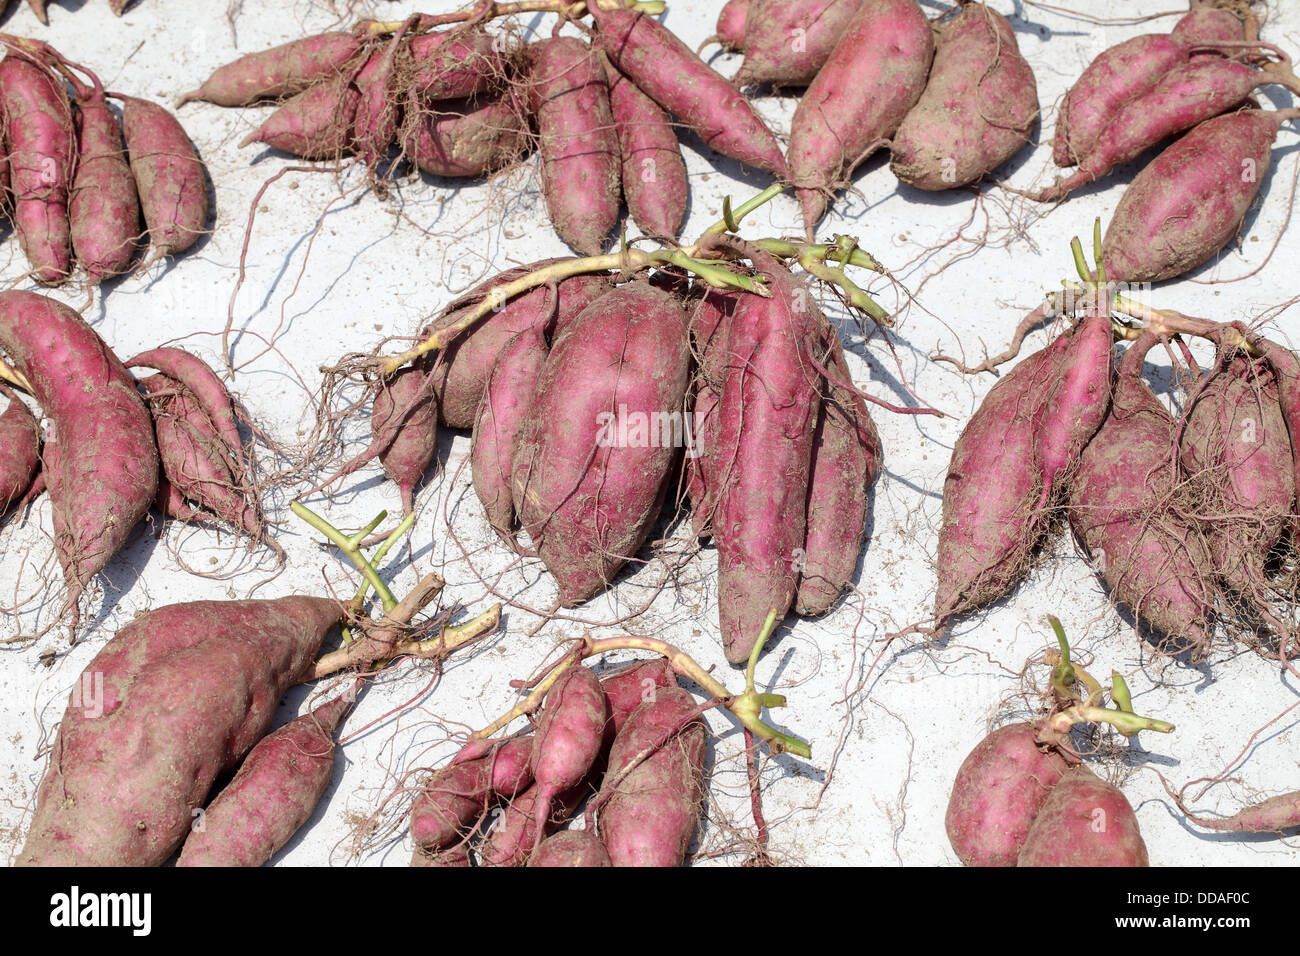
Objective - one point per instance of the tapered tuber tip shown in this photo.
(254, 137)
(191, 95)
(813, 204)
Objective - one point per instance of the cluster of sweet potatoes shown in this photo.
(632, 744)
(465, 102)
(1194, 82)
(1185, 519)
(104, 455)
(78, 183)
(1019, 802)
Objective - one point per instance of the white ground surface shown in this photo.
(884, 758)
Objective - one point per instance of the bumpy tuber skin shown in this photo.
(654, 175)
(469, 138)
(568, 740)
(978, 107)
(589, 475)
(404, 426)
(195, 461)
(1084, 822)
(273, 795)
(999, 790)
(314, 124)
(278, 72)
(651, 817)
(1189, 202)
(170, 177)
(1124, 505)
(178, 697)
(41, 146)
(1237, 452)
(463, 367)
(846, 461)
(507, 398)
(767, 416)
(571, 848)
(670, 74)
(1198, 90)
(100, 492)
(20, 440)
(873, 78)
(577, 142)
(104, 207)
(1077, 401)
(990, 522)
(787, 41)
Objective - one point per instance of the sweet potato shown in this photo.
(786, 43)
(568, 737)
(178, 697)
(1205, 26)
(170, 177)
(651, 816)
(1201, 88)
(208, 390)
(1077, 400)
(194, 459)
(846, 460)
(458, 794)
(1124, 504)
(457, 856)
(314, 124)
(452, 65)
(1189, 202)
(1127, 72)
(514, 836)
(1268, 816)
(465, 137)
(629, 688)
(41, 145)
(20, 440)
(571, 848)
(670, 74)
(1000, 789)
(978, 108)
(990, 519)
(578, 143)
(464, 365)
(404, 428)
(654, 175)
(507, 397)
(1286, 367)
(99, 492)
(597, 448)
(874, 76)
(709, 329)
(278, 72)
(272, 796)
(1084, 822)
(104, 207)
(731, 24)
(1237, 452)
(767, 415)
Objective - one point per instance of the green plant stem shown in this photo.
(348, 545)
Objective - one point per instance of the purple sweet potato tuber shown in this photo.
(787, 41)
(169, 176)
(104, 206)
(278, 72)
(1000, 788)
(464, 137)
(273, 795)
(20, 439)
(653, 173)
(1084, 822)
(178, 697)
(978, 107)
(404, 428)
(571, 848)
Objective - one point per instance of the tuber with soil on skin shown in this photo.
(274, 794)
(1190, 201)
(1021, 796)
(978, 107)
(1183, 96)
(20, 437)
(90, 400)
(875, 75)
